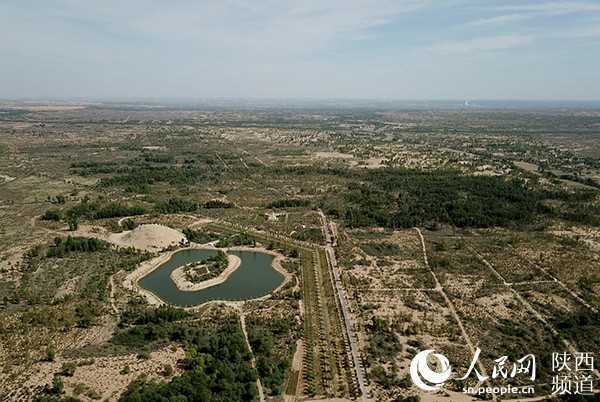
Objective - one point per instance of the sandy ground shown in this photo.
(103, 376)
(9, 264)
(178, 276)
(67, 288)
(529, 167)
(296, 367)
(149, 237)
(131, 280)
(84, 181)
(298, 354)
(5, 178)
(372, 163)
(588, 235)
(200, 222)
(334, 155)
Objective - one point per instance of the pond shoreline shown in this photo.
(131, 281)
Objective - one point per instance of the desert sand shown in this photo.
(148, 237)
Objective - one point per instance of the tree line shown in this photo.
(64, 246)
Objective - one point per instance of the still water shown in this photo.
(255, 277)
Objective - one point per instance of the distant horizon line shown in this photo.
(245, 103)
(267, 98)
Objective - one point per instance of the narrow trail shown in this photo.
(568, 344)
(440, 289)
(260, 161)
(111, 294)
(521, 299)
(524, 302)
(261, 393)
(560, 283)
(222, 161)
(553, 279)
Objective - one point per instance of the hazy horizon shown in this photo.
(385, 50)
(307, 104)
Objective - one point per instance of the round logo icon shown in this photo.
(424, 377)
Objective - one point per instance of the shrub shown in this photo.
(381, 249)
(176, 205)
(68, 369)
(289, 203)
(52, 215)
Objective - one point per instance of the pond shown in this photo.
(254, 278)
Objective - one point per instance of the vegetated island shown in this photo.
(205, 273)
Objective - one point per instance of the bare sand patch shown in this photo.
(106, 376)
(131, 280)
(528, 167)
(371, 163)
(201, 222)
(155, 148)
(67, 288)
(333, 155)
(149, 237)
(5, 178)
(15, 125)
(84, 181)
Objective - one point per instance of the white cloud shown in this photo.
(244, 25)
(499, 20)
(482, 44)
(524, 11)
(555, 8)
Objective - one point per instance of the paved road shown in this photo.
(348, 322)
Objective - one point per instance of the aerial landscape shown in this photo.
(291, 254)
(336, 201)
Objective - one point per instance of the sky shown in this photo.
(342, 49)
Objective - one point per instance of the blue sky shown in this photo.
(390, 49)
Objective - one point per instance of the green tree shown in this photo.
(73, 222)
